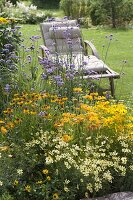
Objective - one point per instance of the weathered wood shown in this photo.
(93, 48)
(115, 196)
(108, 73)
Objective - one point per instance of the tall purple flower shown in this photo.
(7, 88)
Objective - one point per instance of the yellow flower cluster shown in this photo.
(6, 21)
(86, 113)
(103, 114)
(3, 20)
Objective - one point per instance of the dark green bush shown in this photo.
(46, 4)
(114, 12)
(14, 1)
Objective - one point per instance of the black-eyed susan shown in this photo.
(77, 90)
(3, 130)
(8, 111)
(89, 97)
(48, 178)
(33, 112)
(39, 182)
(26, 111)
(66, 138)
(1, 121)
(17, 120)
(45, 171)
(27, 188)
(16, 182)
(55, 196)
(9, 125)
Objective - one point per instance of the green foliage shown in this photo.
(14, 1)
(9, 41)
(6, 196)
(46, 4)
(25, 13)
(77, 9)
(114, 12)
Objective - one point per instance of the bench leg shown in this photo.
(111, 80)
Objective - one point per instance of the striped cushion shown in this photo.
(64, 32)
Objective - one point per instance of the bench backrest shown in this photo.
(61, 36)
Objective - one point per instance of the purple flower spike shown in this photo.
(44, 76)
(60, 83)
(7, 88)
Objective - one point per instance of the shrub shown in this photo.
(77, 9)
(26, 14)
(9, 41)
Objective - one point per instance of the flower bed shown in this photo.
(62, 141)
(61, 152)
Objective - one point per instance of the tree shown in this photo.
(116, 12)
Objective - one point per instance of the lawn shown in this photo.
(121, 49)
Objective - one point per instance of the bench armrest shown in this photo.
(93, 48)
(44, 51)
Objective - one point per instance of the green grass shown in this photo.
(121, 48)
